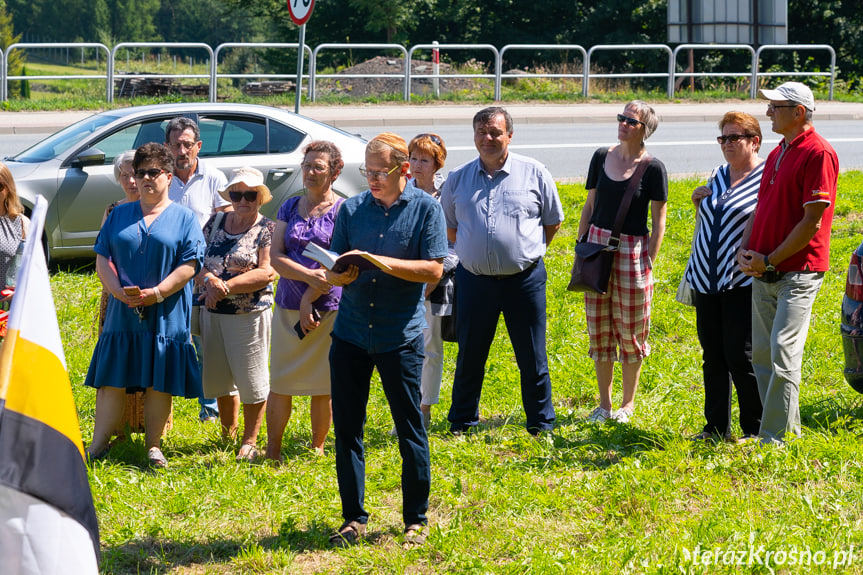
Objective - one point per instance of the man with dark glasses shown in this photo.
(502, 211)
(786, 247)
(196, 186)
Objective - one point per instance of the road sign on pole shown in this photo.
(300, 10)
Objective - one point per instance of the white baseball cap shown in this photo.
(791, 92)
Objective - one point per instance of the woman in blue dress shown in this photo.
(147, 251)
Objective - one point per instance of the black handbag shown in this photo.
(591, 269)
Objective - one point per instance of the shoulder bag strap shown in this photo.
(634, 181)
(215, 228)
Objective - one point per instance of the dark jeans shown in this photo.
(479, 302)
(724, 323)
(350, 375)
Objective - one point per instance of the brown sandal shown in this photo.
(348, 534)
(416, 534)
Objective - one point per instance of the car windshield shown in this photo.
(60, 142)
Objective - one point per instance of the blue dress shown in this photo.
(157, 351)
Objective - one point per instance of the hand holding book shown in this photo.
(339, 263)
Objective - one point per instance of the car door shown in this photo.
(231, 141)
(85, 191)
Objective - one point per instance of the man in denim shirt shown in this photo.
(380, 325)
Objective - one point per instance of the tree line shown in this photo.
(498, 22)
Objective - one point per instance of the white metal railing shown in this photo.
(536, 47)
(436, 46)
(122, 45)
(313, 71)
(623, 48)
(751, 74)
(794, 48)
(5, 77)
(214, 80)
(668, 72)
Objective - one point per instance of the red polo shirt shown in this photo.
(800, 173)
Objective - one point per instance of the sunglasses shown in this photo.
(733, 138)
(152, 174)
(432, 137)
(250, 197)
(773, 106)
(629, 121)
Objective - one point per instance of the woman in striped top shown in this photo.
(723, 295)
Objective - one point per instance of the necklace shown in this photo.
(318, 209)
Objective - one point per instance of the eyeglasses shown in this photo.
(629, 121)
(314, 168)
(733, 138)
(772, 106)
(375, 175)
(152, 174)
(183, 145)
(126, 175)
(251, 196)
(432, 137)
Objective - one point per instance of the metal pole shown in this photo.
(436, 69)
(300, 56)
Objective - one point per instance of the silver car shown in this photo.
(73, 168)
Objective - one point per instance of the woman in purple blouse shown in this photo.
(306, 304)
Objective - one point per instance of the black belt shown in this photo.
(507, 276)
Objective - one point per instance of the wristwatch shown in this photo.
(158, 294)
(768, 266)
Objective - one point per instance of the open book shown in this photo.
(335, 262)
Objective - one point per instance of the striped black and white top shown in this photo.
(712, 265)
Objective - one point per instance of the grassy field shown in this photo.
(617, 498)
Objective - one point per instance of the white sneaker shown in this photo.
(598, 415)
(621, 415)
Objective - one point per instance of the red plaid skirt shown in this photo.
(620, 320)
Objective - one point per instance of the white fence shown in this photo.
(666, 68)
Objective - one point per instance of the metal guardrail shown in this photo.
(313, 71)
(626, 47)
(5, 77)
(795, 47)
(495, 76)
(214, 80)
(406, 77)
(200, 45)
(536, 47)
(753, 79)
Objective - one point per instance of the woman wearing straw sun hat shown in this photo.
(237, 313)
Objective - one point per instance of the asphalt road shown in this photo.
(562, 137)
(686, 148)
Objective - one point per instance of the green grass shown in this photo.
(636, 498)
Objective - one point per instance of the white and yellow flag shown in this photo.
(47, 519)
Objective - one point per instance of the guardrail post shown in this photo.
(623, 47)
(494, 77)
(537, 47)
(794, 48)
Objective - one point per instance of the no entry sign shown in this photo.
(300, 10)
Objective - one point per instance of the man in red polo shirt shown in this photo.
(786, 247)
